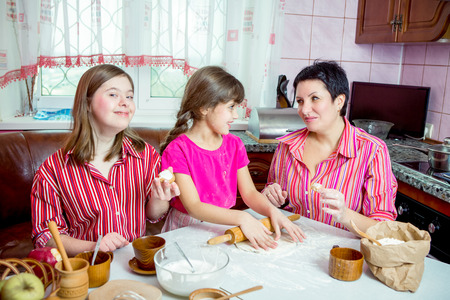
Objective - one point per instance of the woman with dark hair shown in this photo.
(331, 171)
(104, 180)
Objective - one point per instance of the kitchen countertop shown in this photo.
(299, 273)
(414, 178)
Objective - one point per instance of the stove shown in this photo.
(424, 217)
(424, 168)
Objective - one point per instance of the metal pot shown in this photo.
(438, 155)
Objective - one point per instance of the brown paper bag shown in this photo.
(398, 266)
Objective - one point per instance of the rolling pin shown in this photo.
(235, 234)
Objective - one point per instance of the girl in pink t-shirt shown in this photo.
(210, 164)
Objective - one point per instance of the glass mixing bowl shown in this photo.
(175, 275)
(374, 127)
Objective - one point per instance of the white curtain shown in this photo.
(243, 36)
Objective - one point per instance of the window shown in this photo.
(177, 32)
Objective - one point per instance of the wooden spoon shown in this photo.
(363, 234)
(55, 233)
(255, 288)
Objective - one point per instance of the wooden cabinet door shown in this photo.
(259, 169)
(374, 21)
(423, 21)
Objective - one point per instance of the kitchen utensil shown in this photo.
(235, 234)
(438, 155)
(345, 264)
(100, 271)
(74, 284)
(184, 256)
(174, 273)
(255, 288)
(55, 233)
(363, 234)
(374, 127)
(97, 246)
(145, 248)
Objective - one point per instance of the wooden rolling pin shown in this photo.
(235, 234)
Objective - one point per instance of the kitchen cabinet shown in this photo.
(259, 169)
(403, 21)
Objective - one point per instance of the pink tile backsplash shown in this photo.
(412, 75)
(444, 130)
(350, 50)
(297, 37)
(325, 29)
(304, 7)
(387, 53)
(327, 8)
(384, 73)
(435, 77)
(351, 9)
(326, 39)
(435, 119)
(437, 55)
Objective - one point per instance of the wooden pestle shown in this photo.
(55, 233)
(235, 234)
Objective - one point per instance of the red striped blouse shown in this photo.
(360, 168)
(84, 203)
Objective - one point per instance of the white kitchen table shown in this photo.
(300, 273)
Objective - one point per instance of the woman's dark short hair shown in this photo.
(331, 74)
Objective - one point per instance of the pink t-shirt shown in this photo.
(214, 173)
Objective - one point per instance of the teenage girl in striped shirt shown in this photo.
(352, 167)
(210, 164)
(104, 180)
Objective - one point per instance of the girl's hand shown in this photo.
(275, 195)
(164, 191)
(256, 233)
(333, 203)
(112, 241)
(280, 221)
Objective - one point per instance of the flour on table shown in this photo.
(285, 245)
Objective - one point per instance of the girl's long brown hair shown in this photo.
(207, 87)
(81, 139)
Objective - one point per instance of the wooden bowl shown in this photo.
(206, 293)
(345, 264)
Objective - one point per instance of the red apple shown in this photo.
(46, 254)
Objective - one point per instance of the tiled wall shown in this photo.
(325, 29)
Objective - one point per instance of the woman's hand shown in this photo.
(280, 221)
(275, 195)
(112, 241)
(333, 203)
(164, 191)
(256, 233)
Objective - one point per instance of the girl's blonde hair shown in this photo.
(207, 87)
(81, 139)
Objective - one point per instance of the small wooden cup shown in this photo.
(99, 272)
(207, 293)
(145, 249)
(73, 285)
(345, 264)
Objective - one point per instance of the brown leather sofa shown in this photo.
(21, 154)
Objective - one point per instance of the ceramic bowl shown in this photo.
(374, 127)
(175, 275)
